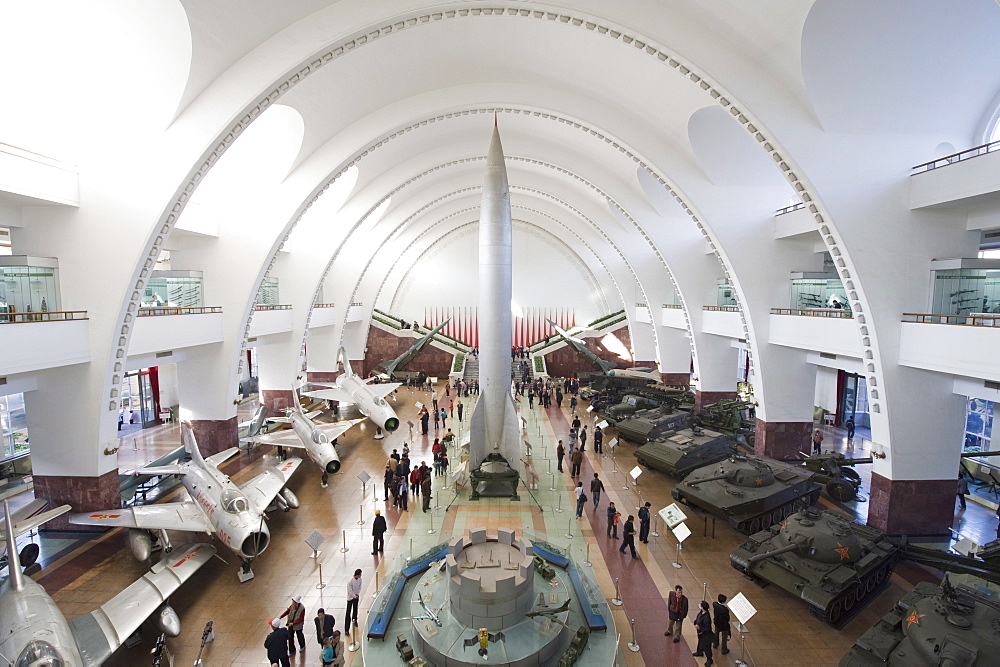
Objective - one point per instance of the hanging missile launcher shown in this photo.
(833, 564)
(646, 425)
(677, 453)
(750, 492)
(933, 625)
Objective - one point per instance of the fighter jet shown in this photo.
(370, 399)
(428, 615)
(317, 439)
(235, 514)
(256, 425)
(581, 349)
(33, 631)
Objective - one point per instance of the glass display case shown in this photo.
(725, 295)
(268, 295)
(29, 284)
(13, 427)
(181, 289)
(964, 286)
(817, 290)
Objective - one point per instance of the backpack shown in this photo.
(583, 497)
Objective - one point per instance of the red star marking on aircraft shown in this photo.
(914, 617)
(187, 558)
(845, 552)
(104, 516)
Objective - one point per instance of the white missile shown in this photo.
(494, 427)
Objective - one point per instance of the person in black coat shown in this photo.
(324, 625)
(378, 531)
(628, 536)
(703, 624)
(723, 631)
(560, 453)
(276, 644)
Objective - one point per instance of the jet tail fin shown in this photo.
(342, 357)
(191, 444)
(12, 530)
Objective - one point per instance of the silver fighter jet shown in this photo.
(370, 399)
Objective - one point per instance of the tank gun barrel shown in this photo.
(768, 554)
(971, 455)
(695, 482)
(856, 462)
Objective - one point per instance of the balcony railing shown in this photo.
(272, 306)
(790, 208)
(724, 309)
(837, 313)
(958, 157)
(970, 320)
(43, 316)
(673, 305)
(158, 311)
(323, 305)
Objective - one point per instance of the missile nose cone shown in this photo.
(494, 157)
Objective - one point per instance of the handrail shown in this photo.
(159, 311)
(836, 313)
(272, 306)
(323, 305)
(969, 320)
(678, 306)
(975, 151)
(42, 316)
(790, 208)
(725, 309)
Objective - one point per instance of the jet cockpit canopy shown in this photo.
(39, 654)
(234, 502)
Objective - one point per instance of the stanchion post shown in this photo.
(704, 591)
(375, 594)
(410, 557)
(344, 548)
(569, 530)
(356, 644)
(320, 585)
(617, 599)
(559, 506)
(655, 517)
(552, 480)
(361, 514)
(587, 557)
(430, 531)
(633, 645)
(677, 558)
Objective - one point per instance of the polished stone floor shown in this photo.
(83, 573)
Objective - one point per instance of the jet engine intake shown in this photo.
(254, 544)
(332, 466)
(391, 424)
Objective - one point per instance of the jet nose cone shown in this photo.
(391, 424)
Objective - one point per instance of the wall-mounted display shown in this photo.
(180, 289)
(818, 290)
(29, 284)
(966, 290)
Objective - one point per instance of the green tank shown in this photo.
(678, 453)
(946, 624)
(833, 564)
(629, 405)
(749, 491)
(646, 425)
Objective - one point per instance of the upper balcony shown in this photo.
(323, 315)
(966, 178)
(963, 345)
(171, 328)
(722, 321)
(672, 315)
(823, 330)
(36, 341)
(269, 319)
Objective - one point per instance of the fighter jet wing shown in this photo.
(223, 456)
(184, 516)
(102, 631)
(31, 516)
(280, 439)
(331, 393)
(383, 390)
(262, 489)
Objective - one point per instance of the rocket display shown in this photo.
(494, 424)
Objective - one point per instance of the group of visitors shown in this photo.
(280, 642)
(713, 626)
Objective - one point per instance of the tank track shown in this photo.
(837, 614)
(767, 519)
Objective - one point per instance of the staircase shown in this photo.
(470, 371)
(517, 372)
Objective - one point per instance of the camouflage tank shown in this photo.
(833, 564)
(646, 425)
(677, 454)
(629, 406)
(750, 492)
(934, 625)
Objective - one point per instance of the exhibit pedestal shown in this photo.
(494, 478)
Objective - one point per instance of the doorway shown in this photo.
(853, 400)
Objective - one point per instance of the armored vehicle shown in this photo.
(750, 492)
(833, 470)
(933, 625)
(833, 564)
(628, 407)
(677, 454)
(650, 424)
(728, 415)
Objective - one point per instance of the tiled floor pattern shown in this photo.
(782, 632)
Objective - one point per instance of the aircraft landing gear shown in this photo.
(165, 542)
(326, 478)
(245, 574)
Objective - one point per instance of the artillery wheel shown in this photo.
(840, 490)
(849, 473)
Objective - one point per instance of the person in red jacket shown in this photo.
(296, 614)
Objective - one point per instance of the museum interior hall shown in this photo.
(503, 283)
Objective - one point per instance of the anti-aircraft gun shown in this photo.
(833, 471)
(729, 415)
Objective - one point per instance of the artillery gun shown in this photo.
(833, 471)
(729, 416)
(646, 425)
(833, 564)
(749, 491)
(933, 625)
(677, 453)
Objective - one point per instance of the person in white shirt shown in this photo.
(353, 597)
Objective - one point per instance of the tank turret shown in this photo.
(751, 492)
(833, 564)
(646, 425)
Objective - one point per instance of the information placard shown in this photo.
(634, 473)
(315, 540)
(604, 424)
(741, 608)
(672, 515)
(364, 476)
(612, 442)
(681, 532)
(419, 405)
